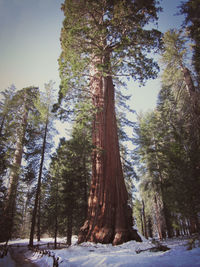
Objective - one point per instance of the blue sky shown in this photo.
(29, 38)
(30, 46)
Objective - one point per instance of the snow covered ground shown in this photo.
(7, 262)
(125, 255)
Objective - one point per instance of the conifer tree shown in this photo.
(22, 102)
(54, 199)
(6, 127)
(44, 107)
(174, 56)
(169, 180)
(70, 175)
(102, 40)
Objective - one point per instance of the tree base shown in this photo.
(107, 236)
(125, 236)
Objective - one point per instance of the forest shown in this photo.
(86, 186)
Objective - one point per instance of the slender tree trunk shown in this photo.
(56, 223)
(177, 232)
(38, 186)
(56, 216)
(85, 190)
(193, 224)
(144, 219)
(185, 227)
(2, 124)
(9, 210)
(24, 216)
(160, 222)
(142, 222)
(149, 228)
(55, 231)
(160, 199)
(109, 218)
(168, 221)
(69, 227)
(39, 217)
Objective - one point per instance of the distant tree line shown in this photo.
(168, 139)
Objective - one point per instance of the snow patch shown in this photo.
(125, 255)
(7, 261)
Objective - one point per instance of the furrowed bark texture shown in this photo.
(109, 217)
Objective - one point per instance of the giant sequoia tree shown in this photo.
(102, 40)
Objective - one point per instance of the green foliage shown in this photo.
(31, 134)
(114, 32)
(69, 180)
(168, 144)
(174, 46)
(191, 10)
(17, 106)
(109, 36)
(173, 58)
(137, 211)
(166, 161)
(6, 128)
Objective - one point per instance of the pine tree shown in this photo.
(44, 107)
(174, 56)
(169, 181)
(69, 176)
(6, 127)
(151, 155)
(102, 40)
(177, 75)
(54, 199)
(22, 102)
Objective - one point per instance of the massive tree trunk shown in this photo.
(109, 218)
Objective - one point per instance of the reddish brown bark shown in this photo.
(188, 80)
(109, 218)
